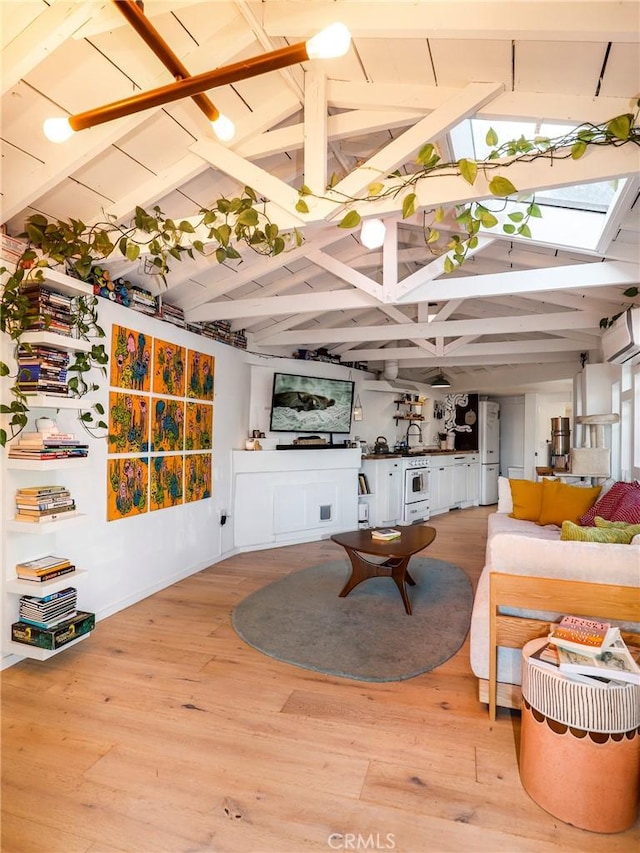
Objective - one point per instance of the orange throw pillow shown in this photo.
(562, 502)
(527, 499)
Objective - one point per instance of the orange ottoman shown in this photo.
(580, 748)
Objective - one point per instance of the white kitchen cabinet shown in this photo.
(440, 485)
(385, 479)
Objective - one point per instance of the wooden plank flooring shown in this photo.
(165, 732)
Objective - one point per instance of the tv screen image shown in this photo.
(311, 404)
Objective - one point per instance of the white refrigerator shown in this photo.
(489, 441)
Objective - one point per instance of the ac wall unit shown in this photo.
(621, 341)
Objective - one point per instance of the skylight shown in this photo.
(577, 212)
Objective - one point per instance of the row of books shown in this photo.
(44, 568)
(47, 309)
(42, 370)
(41, 504)
(49, 611)
(47, 444)
(363, 485)
(590, 651)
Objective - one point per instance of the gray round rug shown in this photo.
(366, 636)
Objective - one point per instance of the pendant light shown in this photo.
(357, 409)
(440, 381)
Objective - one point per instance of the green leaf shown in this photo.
(409, 205)
(501, 186)
(534, 210)
(509, 229)
(492, 137)
(631, 292)
(232, 253)
(304, 190)
(133, 252)
(248, 217)
(302, 206)
(449, 266)
(251, 193)
(375, 188)
(517, 216)
(468, 170)
(473, 242)
(439, 214)
(4, 369)
(524, 230)
(221, 255)
(186, 227)
(433, 236)
(350, 220)
(577, 149)
(425, 154)
(488, 220)
(122, 246)
(3, 437)
(299, 237)
(278, 246)
(620, 127)
(198, 245)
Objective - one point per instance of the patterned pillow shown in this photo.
(629, 507)
(633, 529)
(607, 505)
(606, 535)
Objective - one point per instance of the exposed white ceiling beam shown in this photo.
(467, 352)
(345, 272)
(453, 328)
(527, 281)
(278, 305)
(315, 131)
(527, 20)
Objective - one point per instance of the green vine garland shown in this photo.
(243, 220)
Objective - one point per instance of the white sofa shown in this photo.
(523, 548)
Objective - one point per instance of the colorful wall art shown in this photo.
(166, 481)
(197, 477)
(130, 359)
(160, 402)
(167, 424)
(199, 426)
(128, 423)
(200, 368)
(127, 487)
(168, 368)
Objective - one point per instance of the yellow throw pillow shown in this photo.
(527, 499)
(631, 529)
(561, 502)
(606, 535)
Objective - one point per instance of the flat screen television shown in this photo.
(311, 404)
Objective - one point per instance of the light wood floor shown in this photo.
(165, 732)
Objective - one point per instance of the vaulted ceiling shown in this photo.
(519, 311)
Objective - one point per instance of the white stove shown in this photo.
(415, 496)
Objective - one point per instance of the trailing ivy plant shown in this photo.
(231, 223)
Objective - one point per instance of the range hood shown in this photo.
(390, 385)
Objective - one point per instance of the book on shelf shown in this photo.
(49, 561)
(40, 490)
(41, 512)
(587, 636)
(385, 534)
(56, 516)
(617, 662)
(54, 623)
(46, 575)
(54, 638)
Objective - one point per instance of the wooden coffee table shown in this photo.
(398, 553)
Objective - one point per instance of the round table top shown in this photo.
(412, 539)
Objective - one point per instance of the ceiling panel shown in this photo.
(622, 73)
(568, 69)
(458, 62)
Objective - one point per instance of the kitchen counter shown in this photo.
(424, 453)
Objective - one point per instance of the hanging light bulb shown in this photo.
(357, 409)
(372, 233)
(58, 129)
(223, 128)
(329, 43)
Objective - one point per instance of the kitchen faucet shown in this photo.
(409, 433)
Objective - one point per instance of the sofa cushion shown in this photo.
(608, 504)
(606, 535)
(629, 507)
(527, 499)
(632, 529)
(505, 501)
(561, 502)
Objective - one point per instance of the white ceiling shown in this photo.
(518, 314)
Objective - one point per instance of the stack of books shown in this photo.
(590, 651)
(41, 504)
(142, 300)
(47, 309)
(47, 445)
(44, 568)
(43, 370)
(385, 534)
(173, 314)
(50, 610)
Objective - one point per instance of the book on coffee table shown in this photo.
(386, 534)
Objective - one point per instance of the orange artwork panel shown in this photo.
(200, 369)
(167, 424)
(166, 481)
(128, 422)
(127, 487)
(168, 368)
(199, 426)
(197, 473)
(130, 359)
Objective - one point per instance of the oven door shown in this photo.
(416, 485)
